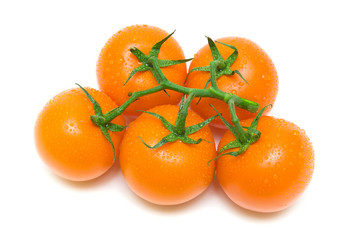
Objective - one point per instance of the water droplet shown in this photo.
(275, 176)
(266, 180)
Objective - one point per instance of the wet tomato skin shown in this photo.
(256, 67)
(273, 172)
(116, 62)
(174, 173)
(67, 140)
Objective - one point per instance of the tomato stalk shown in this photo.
(217, 68)
(178, 131)
(243, 139)
(179, 127)
(240, 133)
(109, 116)
(164, 84)
(99, 120)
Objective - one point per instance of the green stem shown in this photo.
(213, 67)
(156, 71)
(164, 84)
(109, 116)
(211, 92)
(240, 132)
(179, 127)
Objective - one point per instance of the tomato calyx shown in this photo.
(243, 139)
(99, 120)
(219, 67)
(151, 63)
(148, 60)
(178, 131)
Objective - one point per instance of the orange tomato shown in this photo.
(69, 142)
(272, 173)
(173, 173)
(254, 65)
(116, 62)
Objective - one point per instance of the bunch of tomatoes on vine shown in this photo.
(167, 153)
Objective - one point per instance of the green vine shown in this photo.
(217, 68)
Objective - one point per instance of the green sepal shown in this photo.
(188, 140)
(257, 117)
(141, 68)
(214, 50)
(154, 52)
(147, 60)
(139, 54)
(97, 108)
(234, 154)
(194, 128)
(166, 139)
(203, 69)
(99, 120)
(166, 92)
(223, 66)
(108, 138)
(172, 136)
(231, 59)
(233, 144)
(252, 135)
(165, 122)
(238, 73)
(167, 63)
(115, 127)
(227, 124)
(207, 83)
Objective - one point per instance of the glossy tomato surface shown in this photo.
(116, 62)
(68, 141)
(174, 173)
(273, 172)
(256, 67)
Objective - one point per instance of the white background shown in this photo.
(48, 46)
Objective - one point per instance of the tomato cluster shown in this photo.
(167, 154)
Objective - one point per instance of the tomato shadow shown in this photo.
(234, 208)
(172, 209)
(218, 134)
(112, 173)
